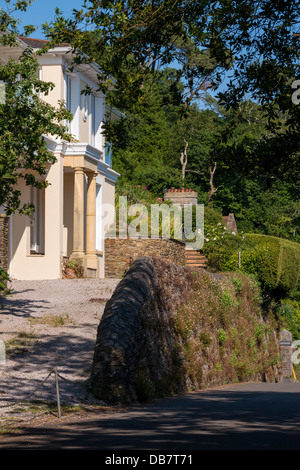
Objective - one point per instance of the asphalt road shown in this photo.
(240, 417)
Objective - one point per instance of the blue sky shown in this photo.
(44, 10)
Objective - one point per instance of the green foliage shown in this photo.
(288, 314)
(222, 247)
(221, 336)
(255, 142)
(76, 266)
(275, 262)
(4, 279)
(24, 119)
(223, 329)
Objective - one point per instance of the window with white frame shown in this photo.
(69, 95)
(37, 221)
(108, 153)
(93, 120)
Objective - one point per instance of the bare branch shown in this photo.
(213, 190)
(183, 159)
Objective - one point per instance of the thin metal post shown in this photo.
(57, 393)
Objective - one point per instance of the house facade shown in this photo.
(73, 213)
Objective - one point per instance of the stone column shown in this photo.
(286, 353)
(78, 221)
(91, 256)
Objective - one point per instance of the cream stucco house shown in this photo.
(70, 220)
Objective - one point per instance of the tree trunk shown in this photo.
(212, 188)
(183, 159)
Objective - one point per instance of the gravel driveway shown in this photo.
(46, 325)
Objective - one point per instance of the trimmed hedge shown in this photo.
(275, 261)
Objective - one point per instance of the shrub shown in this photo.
(4, 289)
(288, 314)
(4, 278)
(221, 336)
(222, 247)
(274, 262)
(76, 266)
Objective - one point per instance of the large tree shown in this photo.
(254, 44)
(256, 39)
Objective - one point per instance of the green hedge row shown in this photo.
(275, 262)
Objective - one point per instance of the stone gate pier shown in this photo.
(286, 352)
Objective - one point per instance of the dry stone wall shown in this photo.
(167, 329)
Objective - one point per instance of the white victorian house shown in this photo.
(73, 213)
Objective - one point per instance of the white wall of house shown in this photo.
(46, 264)
(39, 244)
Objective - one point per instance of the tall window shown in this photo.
(93, 120)
(69, 96)
(99, 237)
(37, 221)
(108, 153)
(69, 92)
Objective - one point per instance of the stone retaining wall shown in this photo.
(120, 253)
(4, 223)
(126, 343)
(167, 330)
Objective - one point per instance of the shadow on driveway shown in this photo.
(241, 417)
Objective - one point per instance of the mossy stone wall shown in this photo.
(167, 329)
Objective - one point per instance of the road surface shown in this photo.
(238, 417)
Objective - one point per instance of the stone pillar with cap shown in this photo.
(91, 254)
(78, 223)
(286, 353)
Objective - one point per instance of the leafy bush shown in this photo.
(4, 289)
(4, 279)
(274, 262)
(288, 314)
(76, 266)
(222, 247)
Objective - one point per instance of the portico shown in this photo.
(84, 220)
(82, 171)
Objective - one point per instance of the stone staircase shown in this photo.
(195, 259)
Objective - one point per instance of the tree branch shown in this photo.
(183, 159)
(213, 190)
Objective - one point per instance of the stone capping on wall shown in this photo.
(181, 196)
(286, 353)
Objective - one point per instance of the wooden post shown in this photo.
(57, 393)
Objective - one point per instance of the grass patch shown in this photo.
(55, 321)
(8, 426)
(46, 407)
(19, 344)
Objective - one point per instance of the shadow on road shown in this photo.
(245, 417)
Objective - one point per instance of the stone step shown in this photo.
(195, 259)
(203, 266)
(195, 256)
